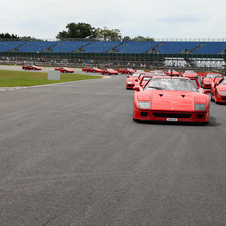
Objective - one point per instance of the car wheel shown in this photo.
(94, 71)
(128, 72)
(102, 73)
(25, 68)
(86, 71)
(33, 69)
(108, 73)
(121, 72)
(64, 71)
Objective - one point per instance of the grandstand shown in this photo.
(193, 53)
(137, 47)
(69, 46)
(178, 47)
(36, 46)
(6, 46)
(211, 48)
(101, 46)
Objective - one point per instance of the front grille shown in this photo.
(172, 115)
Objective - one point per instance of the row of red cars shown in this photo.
(109, 71)
(162, 96)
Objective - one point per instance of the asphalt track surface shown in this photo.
(70, 154)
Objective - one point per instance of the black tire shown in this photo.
(121, 72)
(64, 71)
(86, 71)
(94, 71)
(128, 73)
(102, 73)
(25, 68)
(108, 73)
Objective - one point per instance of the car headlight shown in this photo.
(200, 107)
(144, 105)
(207, 83)
(130, 82)
(223, 93)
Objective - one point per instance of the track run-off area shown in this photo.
(71, 154)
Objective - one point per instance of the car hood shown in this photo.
(208, 80)
(174, 100)
(222, 88)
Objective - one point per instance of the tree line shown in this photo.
(84, 31)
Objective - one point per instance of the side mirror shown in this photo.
(136, 88)
(207, 91)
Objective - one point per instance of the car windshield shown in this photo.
(110, 69)
(135, 74)
(223, 82)
(171, 84)
(189, 72)
(212, 75)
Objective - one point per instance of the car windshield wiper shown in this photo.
(156, 87)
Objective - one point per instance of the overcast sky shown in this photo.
(154, 18)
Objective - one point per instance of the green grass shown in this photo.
(30, 78)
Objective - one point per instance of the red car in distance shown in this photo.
(130, 80)
(91, 69)
(128, 71)
(190, 74)
(218, 90)
(171, 99)
(108, 72)
(64, 70)
(207, 80)
(172, 72)
(31, 67)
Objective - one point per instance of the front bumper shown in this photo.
(178, 116)
(220, 98)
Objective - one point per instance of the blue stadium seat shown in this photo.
(177, 47)
(37, 46)
(6, 46)
(137, 47)
(211, 48)
(101, 46)
(69, 46)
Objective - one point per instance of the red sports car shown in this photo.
(189, 74)
(31, 67)
(172, 72)
(108, 72)
(207, 80)
(218, 90)
(172, 99)
(130, 80)
(128, 71)
(92, 69)
(64, 70)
